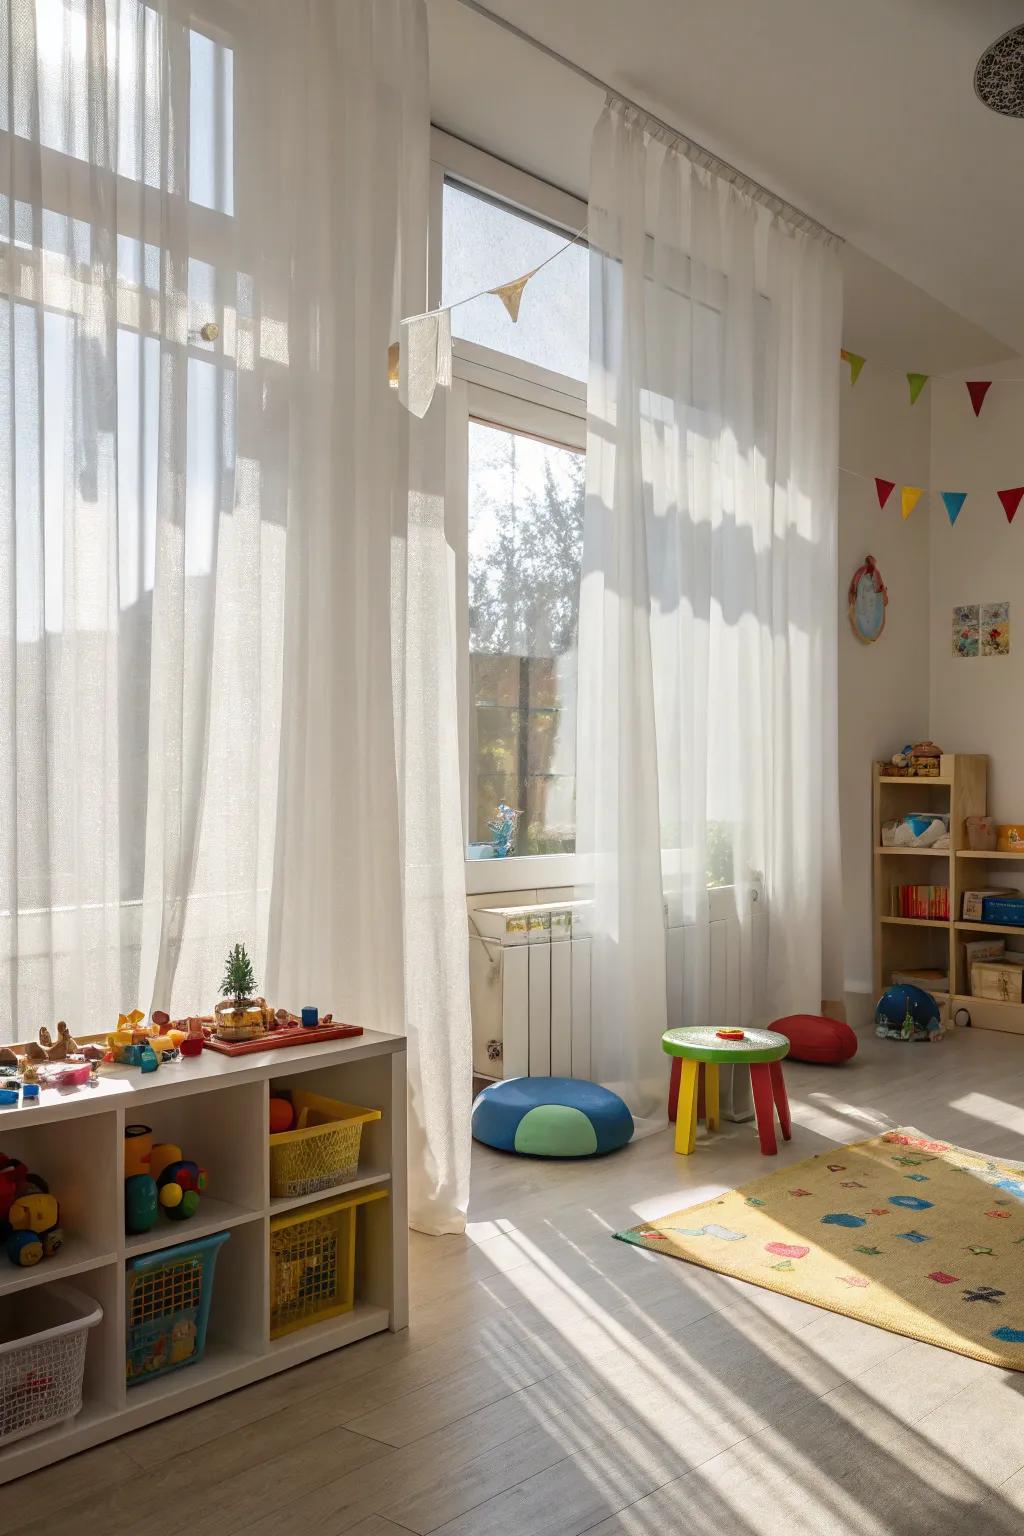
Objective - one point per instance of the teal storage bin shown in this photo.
(169, 1295)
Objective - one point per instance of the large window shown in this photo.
(525, 539)
(526, 398)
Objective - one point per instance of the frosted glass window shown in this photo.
(486, 243)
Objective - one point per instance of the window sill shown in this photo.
(526, 872)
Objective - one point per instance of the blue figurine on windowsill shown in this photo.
(502, 828)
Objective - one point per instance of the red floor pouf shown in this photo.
(813, 1037)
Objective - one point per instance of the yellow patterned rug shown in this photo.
(911, 1234)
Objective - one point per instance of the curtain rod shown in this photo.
(713, 162)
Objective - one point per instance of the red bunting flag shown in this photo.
(884, 489)
(978, 389)
(1011, 500)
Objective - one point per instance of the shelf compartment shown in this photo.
(75, 1158)
(227, 1142)
(313, 1262)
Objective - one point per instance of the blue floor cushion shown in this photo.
(551, 1117)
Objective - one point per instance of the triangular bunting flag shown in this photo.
(954, 504)
(917, 382)
(910, 495)
(511, 294)
(978, 389)
(1011, 501)
(883, 490)
(393, 364)
(856, 364)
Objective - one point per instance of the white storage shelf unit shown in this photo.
(216, 1108)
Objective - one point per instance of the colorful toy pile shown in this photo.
(29, 1215)
(157, 1178)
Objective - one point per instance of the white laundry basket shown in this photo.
(43, 1336)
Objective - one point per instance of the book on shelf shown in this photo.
(921, 901)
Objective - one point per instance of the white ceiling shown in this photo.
(862, 112)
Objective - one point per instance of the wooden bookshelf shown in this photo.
(959, 791)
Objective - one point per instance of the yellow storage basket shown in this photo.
(323, 1152)
(313, 1262)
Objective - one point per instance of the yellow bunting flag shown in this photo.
(917, 382)
(511, 294)
(856, 363)
(910, 495)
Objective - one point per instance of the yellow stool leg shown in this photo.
(711, 1095)
(686, 1112)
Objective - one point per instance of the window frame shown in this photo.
(502, 391)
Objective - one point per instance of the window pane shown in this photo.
(525, 544)
(484, 245)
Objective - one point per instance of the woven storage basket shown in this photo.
(323, 1152)
(42, 1366)
(313, 1262)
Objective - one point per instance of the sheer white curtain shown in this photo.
(142, 519)
(707, 717)
(369, 894)
(159, 177)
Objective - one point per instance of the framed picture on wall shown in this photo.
(868, 600)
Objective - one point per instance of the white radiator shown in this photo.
(529, 973)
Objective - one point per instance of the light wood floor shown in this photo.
(554, 1382)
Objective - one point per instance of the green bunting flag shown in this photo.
(856, 363)
(917, 382)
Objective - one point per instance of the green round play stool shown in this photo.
(703, 1049)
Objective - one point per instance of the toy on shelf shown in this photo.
(29, 1215)
(157, 1177)
(59, 1063)
(282, 1114)
(921, 760)
(134, 1043)
(240, 1015)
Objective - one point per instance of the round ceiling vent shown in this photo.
(999, 77)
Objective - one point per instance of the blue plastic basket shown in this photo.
(168, 1305)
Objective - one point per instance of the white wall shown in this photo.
(976, 703)
(883, 688)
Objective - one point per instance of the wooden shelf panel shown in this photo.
(916, 780)
(76, 1257)
(917, 922)
(987, 927)
(980, 853)
(279, 1203)
(915, 853)
(212, 1216)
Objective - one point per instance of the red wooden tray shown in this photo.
(293, 1035)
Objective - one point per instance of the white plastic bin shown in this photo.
(43, 1336)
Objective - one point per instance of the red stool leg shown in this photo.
(673, 1086)
(764, 1107)
(781, 1098)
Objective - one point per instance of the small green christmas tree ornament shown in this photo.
(242, 1015)
(239, 982)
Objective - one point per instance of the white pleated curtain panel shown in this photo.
(707, 716)
(172, 507)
